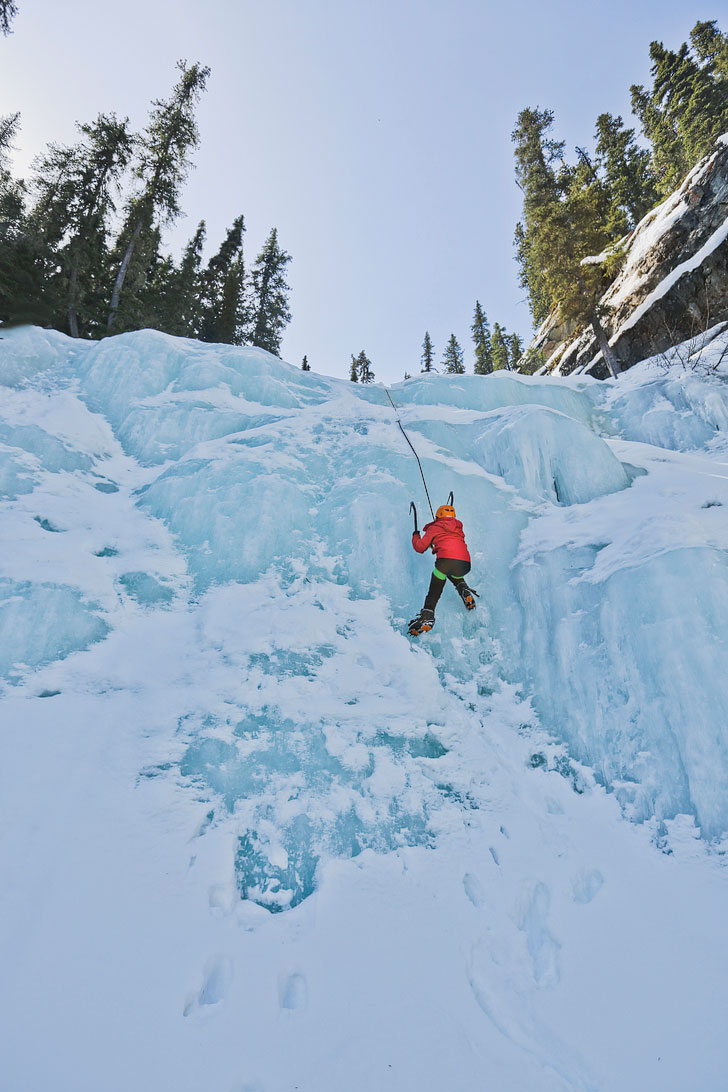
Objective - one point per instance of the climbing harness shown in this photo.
(416, 457)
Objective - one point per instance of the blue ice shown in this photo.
(256, 467)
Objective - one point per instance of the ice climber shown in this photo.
(444, 536)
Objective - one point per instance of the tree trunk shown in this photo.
(610, 357)
(121, 275)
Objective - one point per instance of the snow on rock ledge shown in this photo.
(674, 282)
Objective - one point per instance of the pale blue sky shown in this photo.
(375, 136)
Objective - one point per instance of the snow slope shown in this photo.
(255, 838)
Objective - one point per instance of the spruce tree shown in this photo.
(364, 367)
(305, 366)
(8, 11)
(184, 310)
(17, 273)
(271, 314)
(452, 360)
(98, 165)
(500, 349)
(223, 316)
(428, 355)
(627, 174)
(669, 162)
(9, 126)
(481, 340)
(687, 108)
(711, 47)
(164, 162)
(354, 369)
(535, 155)
(515, 351)
(46, 226)
(565, 214)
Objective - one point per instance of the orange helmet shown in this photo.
(445, 510)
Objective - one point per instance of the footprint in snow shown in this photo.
(474, 889)
(216, 981)
(292, 991)
(502, 986)
(586, 884)
(543, 948)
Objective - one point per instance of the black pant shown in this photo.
(452, 570)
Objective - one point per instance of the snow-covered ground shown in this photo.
(255, 838)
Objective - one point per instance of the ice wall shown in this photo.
(595, 514)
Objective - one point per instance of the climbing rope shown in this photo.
(413, 452)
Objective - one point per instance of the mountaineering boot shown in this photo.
(424, 621)
(466, 594)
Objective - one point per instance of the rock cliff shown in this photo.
(674, 282)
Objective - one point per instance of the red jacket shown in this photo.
(446, 538)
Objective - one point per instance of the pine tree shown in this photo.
(687, 108)
(481, 340)
(535, 155)
(694, 102)
(271, 314)
(305, 366)
(17, 274)
(222, 290)
(163, 166)
(8, 11)
(9, 126)
(364, 368)
(97, 165)
(183, 314)
(565, 216)
(627, 175)
(500, 349)
(46, 225)
(711, 47)
(354, 369)
(428, 355)
(515, 351)
(452, 359)
(669, 162)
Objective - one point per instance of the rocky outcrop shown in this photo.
(673, 285)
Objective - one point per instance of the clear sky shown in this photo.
(374, 135)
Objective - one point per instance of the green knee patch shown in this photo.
(436, 572)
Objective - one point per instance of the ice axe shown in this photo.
(413, 509)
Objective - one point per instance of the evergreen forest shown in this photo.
(587, 207)
(81, 239)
